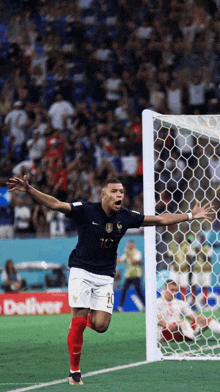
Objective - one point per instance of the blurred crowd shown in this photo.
(75, 78)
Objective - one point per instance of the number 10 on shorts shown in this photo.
(110, 297)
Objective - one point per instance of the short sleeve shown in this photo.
(135, 219)
(77, 212)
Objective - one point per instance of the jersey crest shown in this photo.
(109, 227)
(119, 226)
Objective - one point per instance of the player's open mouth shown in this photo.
(118, 203)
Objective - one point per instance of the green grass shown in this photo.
(33, 349)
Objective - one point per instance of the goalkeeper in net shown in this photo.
(176, 320)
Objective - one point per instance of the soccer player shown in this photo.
(92, 263)
(172, 315)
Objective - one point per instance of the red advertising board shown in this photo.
(34, 303)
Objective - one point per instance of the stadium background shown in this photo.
(152, 45)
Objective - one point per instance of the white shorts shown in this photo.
(202, 279)
(88, 290)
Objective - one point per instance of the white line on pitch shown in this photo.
(48, 384)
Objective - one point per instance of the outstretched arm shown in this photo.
(17, 184)
(171, 219)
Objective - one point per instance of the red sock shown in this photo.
(75, 341)
(89, 321)
(183, 293)
(205, 298)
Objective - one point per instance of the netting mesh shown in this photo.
(187, 167)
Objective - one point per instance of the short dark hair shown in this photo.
(170, 281)
(110, 181)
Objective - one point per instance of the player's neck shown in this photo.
(108, 211)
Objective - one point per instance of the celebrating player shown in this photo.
(92, 263)
(172, 315)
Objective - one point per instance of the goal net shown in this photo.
(181, 155)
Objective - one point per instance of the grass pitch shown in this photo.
(34, 350)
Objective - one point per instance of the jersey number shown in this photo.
(110, 299)
(106, 242)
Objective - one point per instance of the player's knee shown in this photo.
(101, 328)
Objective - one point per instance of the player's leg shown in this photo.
(75, 342)
(79, 292)
(102, 302)
(137, 286)
(169, 336)
(100, 320)
(187, 330)
(208, 322)
(126, 285)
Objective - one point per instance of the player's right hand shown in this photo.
(17, 184)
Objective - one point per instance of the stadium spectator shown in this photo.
(36, 146)
(113, 87)
(144, 31)
(174, 97)
(22, 218)
(172, 317)
(158, 98)
(133, 259)
(60, 180)
(103, 53)
(61, 113)
(121, 112)
(196, 90)
(15, 121)
(12, 281)
(40, 223)
(57, 225)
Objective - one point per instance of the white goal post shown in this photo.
(176, 173)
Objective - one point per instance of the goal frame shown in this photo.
(153, 353)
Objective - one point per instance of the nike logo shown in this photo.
(94, 223)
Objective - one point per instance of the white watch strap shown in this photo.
(190, 217)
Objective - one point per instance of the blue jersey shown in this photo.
(99, 236)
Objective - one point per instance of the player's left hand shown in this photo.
(203, 212)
